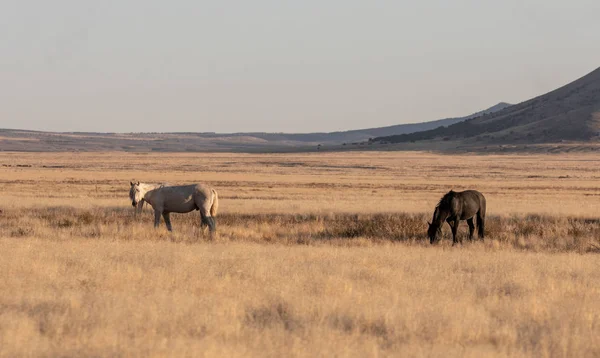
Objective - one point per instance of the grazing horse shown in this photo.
(166, 199)
(456, 206)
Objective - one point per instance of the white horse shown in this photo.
(166, 199)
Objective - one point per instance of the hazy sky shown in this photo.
(281, 65)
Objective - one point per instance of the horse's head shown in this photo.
(433, 232)
(135, 193)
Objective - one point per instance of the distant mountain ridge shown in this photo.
(360, 134)
(27, 140)
(571, 112)
(569, 115)
(364, 134)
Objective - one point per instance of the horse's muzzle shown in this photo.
(134, 204)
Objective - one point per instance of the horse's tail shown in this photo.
(481, 217)
(215, 204)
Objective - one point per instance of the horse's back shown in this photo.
(473, 193)
(471, 202)
(184, 198)
(189, 189)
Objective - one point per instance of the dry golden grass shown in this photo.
(367, 182)
(317, 255)
(157, 298)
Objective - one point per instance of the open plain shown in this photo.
(320, 254)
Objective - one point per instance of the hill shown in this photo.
(24, 140)
(569, 113)
(365, 134)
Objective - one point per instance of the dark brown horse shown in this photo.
(456, 206)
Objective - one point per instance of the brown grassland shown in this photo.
(317, 255)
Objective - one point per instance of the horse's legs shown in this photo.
(203, 222)
(480, 224)
(471, 228)
(139, 208)
(207, 220)
(204, 204)
(157, 214)
(167, 218)
(454, 226)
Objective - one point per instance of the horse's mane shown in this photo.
(446, 199)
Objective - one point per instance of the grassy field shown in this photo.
(317, 255)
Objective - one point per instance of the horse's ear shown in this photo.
(132, 183)
(138, 183)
